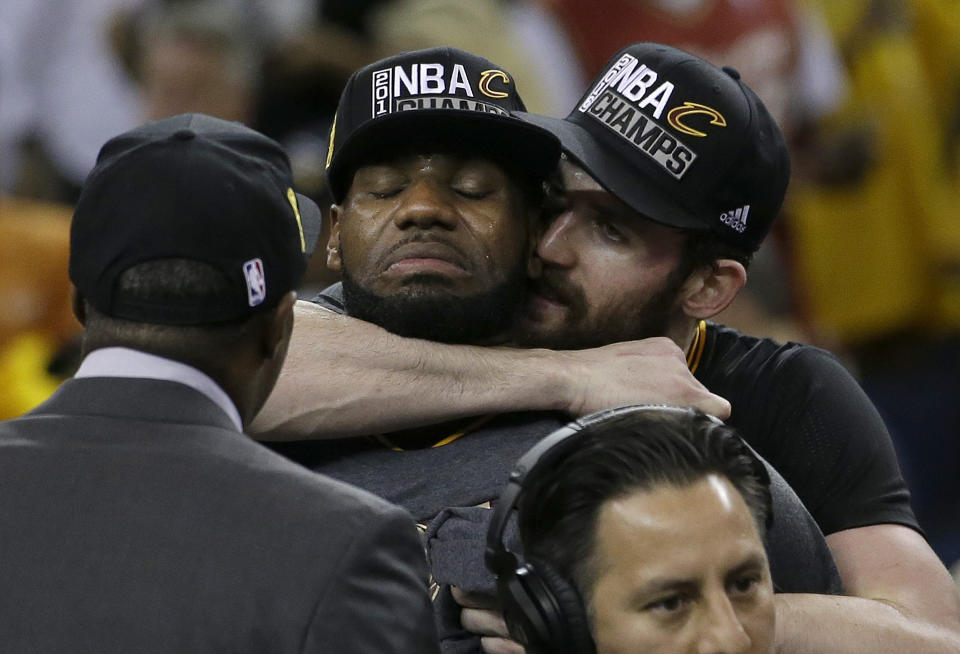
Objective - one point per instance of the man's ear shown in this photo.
(78, 305)
(710, 290)
(334, 261)
(276, 332)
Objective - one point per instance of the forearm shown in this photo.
(345, 377)
(814, 624)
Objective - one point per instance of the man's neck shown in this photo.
(683, 333)
(120, 361)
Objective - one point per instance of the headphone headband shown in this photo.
(544, 453)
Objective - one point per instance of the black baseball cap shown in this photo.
(681, 141)
(198, 188)
(435, 95)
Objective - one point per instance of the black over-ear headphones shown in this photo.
(544, 611)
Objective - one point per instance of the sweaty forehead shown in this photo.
(446, 155)
(438, 166)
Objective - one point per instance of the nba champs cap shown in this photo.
(429, 96)
(199, 188)
(681, 141)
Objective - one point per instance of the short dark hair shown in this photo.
(704, 248)
(173, 279)
(621, 455)
(163, 281)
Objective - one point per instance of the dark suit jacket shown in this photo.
(134, 517)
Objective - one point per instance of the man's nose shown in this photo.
(425, 205)
(721, 631)
(555, 247)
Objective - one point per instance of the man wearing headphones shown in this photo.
(640, 531)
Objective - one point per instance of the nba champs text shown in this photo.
(437, 86)
(632, 100)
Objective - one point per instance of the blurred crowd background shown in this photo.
(865, 261)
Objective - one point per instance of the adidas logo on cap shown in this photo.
(737, 219)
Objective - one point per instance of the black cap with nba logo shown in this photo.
(198, 188)
(681, 141)
(433, 96)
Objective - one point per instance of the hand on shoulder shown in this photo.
(649, 371)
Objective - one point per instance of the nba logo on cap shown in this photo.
(256, 282)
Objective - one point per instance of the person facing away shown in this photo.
(137, 516)
(639, 531)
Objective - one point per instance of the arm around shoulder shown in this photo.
(346, 377)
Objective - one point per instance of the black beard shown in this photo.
(426, 310)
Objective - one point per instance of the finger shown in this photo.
(500, 646)
(474, 600)
(716, 406)
(484, 622)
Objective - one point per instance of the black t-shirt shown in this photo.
(805, 414)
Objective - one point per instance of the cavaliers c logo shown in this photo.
(677, 114)
(488, 76)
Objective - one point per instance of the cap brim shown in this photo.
(611, 172)
(530, 147)
(311, 222)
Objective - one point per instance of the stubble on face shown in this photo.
(624, 321)
(596, 278)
